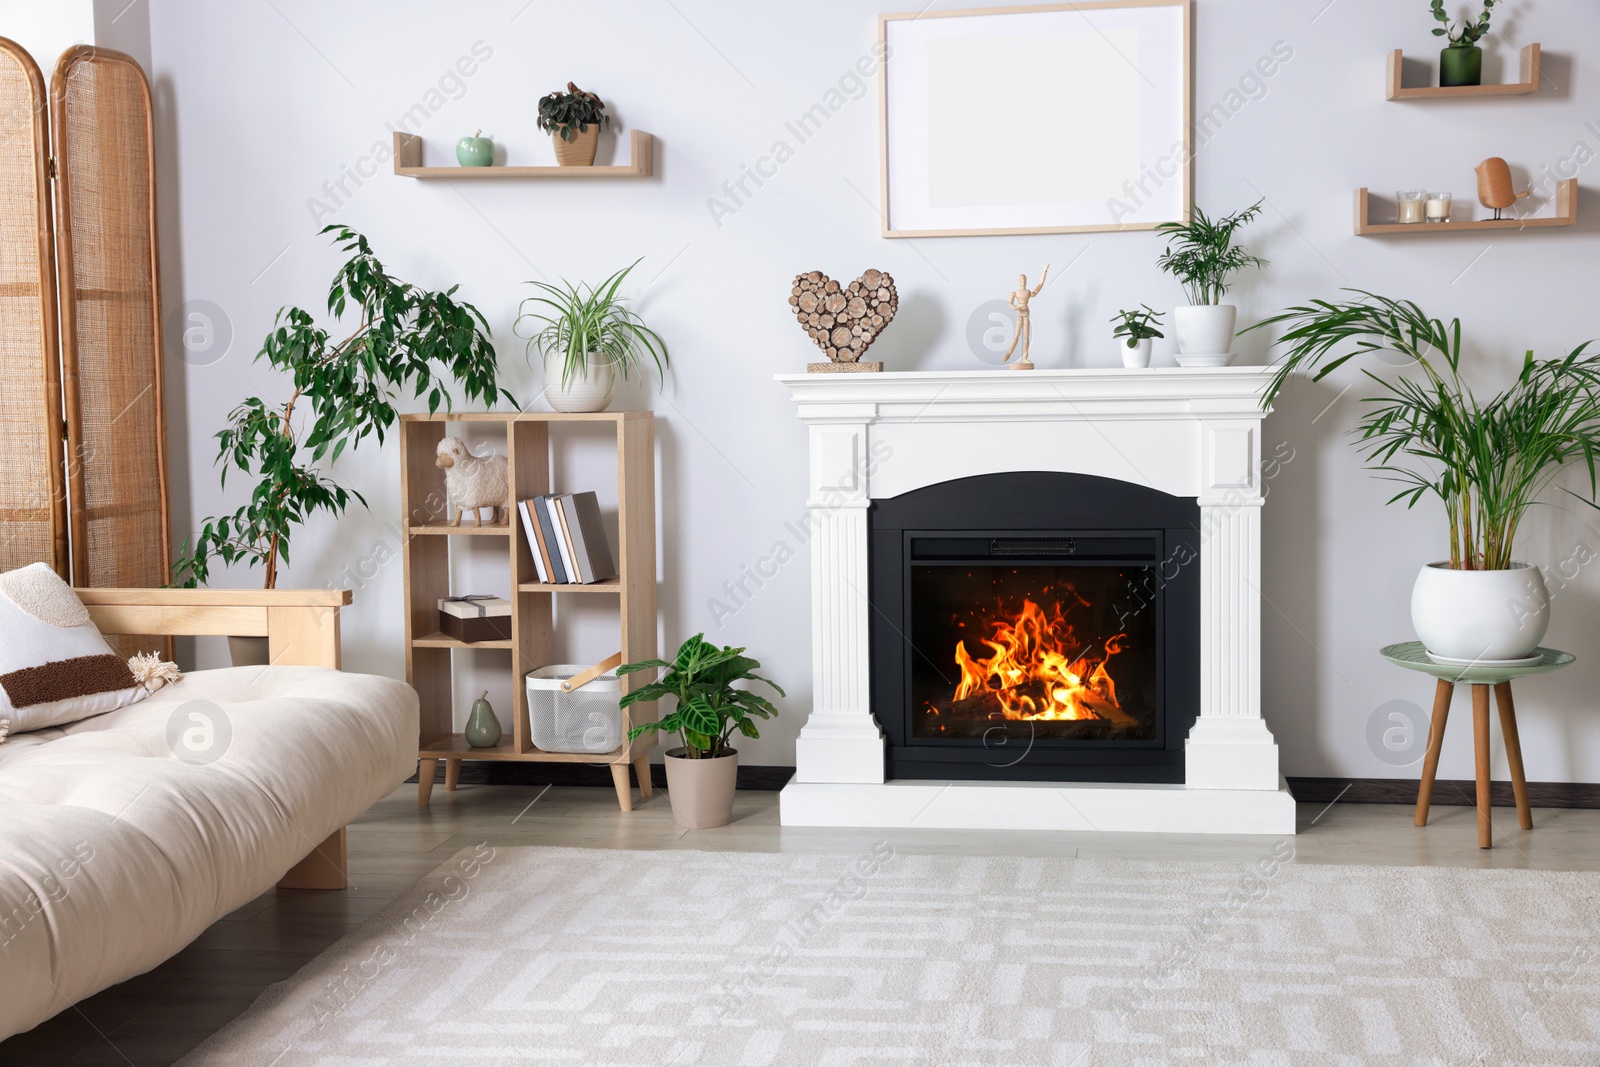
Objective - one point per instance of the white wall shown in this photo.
(265, 103)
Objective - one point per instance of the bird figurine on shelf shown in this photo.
(1494, 185)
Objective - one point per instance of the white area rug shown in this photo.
(555, 956)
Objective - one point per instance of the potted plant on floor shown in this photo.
(573, 119)
(408, 339)
(702, 774)
(1486, 462)
(1138, 327)
(1461, 61)
(587, 338)
(1202, 256)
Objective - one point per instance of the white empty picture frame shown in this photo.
(1063, 118)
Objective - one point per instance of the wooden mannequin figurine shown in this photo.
(1024, 333)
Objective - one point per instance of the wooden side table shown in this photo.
(1412, 656)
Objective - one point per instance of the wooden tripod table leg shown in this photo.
(1480, 745)
(1508, 729)
(1430, 765)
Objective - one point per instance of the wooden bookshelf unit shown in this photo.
(528, 440)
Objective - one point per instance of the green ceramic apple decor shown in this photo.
(475, 151)
(483, 729)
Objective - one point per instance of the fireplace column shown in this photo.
(841, 741)
(1230, 746)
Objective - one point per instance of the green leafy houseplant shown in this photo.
(1137, 325)
(567, 114)
(343, 391)
(1202, 256)
(1468, 33)
(709, 708)
(585, 323)
(1486, 462)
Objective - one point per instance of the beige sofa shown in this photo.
(125, 835)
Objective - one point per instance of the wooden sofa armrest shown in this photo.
(301, 625)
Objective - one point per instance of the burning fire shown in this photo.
(1039, 671)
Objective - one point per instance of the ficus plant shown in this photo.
(1468, 33)
(1486, 462)
(1202, 256)
(406, 340)
(569, 113)
(710, 709)
(1137, 325)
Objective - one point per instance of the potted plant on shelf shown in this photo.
(1486, 462)
(573, 119)
(1202, 256)
(586, 339)
(343, 391)
(702, 774)
(1138, 327)
(1461, 61)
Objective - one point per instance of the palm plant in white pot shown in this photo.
(1202, 256)
(587, 338)
(1487, 463)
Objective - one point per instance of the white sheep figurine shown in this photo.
(473, 481)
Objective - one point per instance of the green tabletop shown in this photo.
(1412, 656)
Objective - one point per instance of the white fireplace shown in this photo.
(1189, 433)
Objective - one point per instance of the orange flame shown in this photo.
(1036, 652)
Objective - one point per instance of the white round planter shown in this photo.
(1133, 358)
(1204, 329)
(1473, 616)
(591, 392)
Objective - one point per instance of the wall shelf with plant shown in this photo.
(1398, 90)
(408, 163)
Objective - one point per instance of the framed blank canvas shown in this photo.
(1065, 118)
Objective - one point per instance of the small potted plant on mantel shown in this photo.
(702, 775)
(586, 337)
(573, 119)
(1138, 327)
(1487, 463)
(1202, 256)
(1461, 61)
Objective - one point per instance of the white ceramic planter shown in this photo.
(1204, 329)
(1134, 358)
(592, 392)
(1480, 615)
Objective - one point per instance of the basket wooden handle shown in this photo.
(584, 677)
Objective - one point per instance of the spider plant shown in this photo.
(1202, 256)
(589, 323)
(1486, 462)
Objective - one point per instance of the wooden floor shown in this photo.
(158, 1017)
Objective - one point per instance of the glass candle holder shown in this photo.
(1410, 203)
(1437, 207)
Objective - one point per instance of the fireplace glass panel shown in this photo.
(1034, 653)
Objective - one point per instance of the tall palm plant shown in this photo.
(1201, 253)
(1487, 463)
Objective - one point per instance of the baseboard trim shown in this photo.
(1445, 791)
(487, 772)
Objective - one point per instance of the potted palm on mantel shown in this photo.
(702, 775)
(1487, 463)
(587, 337)
(1202, 256)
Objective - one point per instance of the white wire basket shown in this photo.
(586, 720)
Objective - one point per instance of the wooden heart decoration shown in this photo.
(844, 320)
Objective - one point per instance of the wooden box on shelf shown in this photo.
(530, 441)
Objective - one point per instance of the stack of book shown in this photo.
(567, 538)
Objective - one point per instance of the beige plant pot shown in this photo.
(249, 651)
(701, 790)
(578, 152)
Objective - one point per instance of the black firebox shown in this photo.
(1036, 626)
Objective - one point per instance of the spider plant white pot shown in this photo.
(590, 391)
(1204, 329)
(1480, 615)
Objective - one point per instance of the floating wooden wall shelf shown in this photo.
(1528, 84)
(1566, 215)
(408, 163)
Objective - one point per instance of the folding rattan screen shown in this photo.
(33, 513)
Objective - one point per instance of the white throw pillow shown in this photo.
(54, 666)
